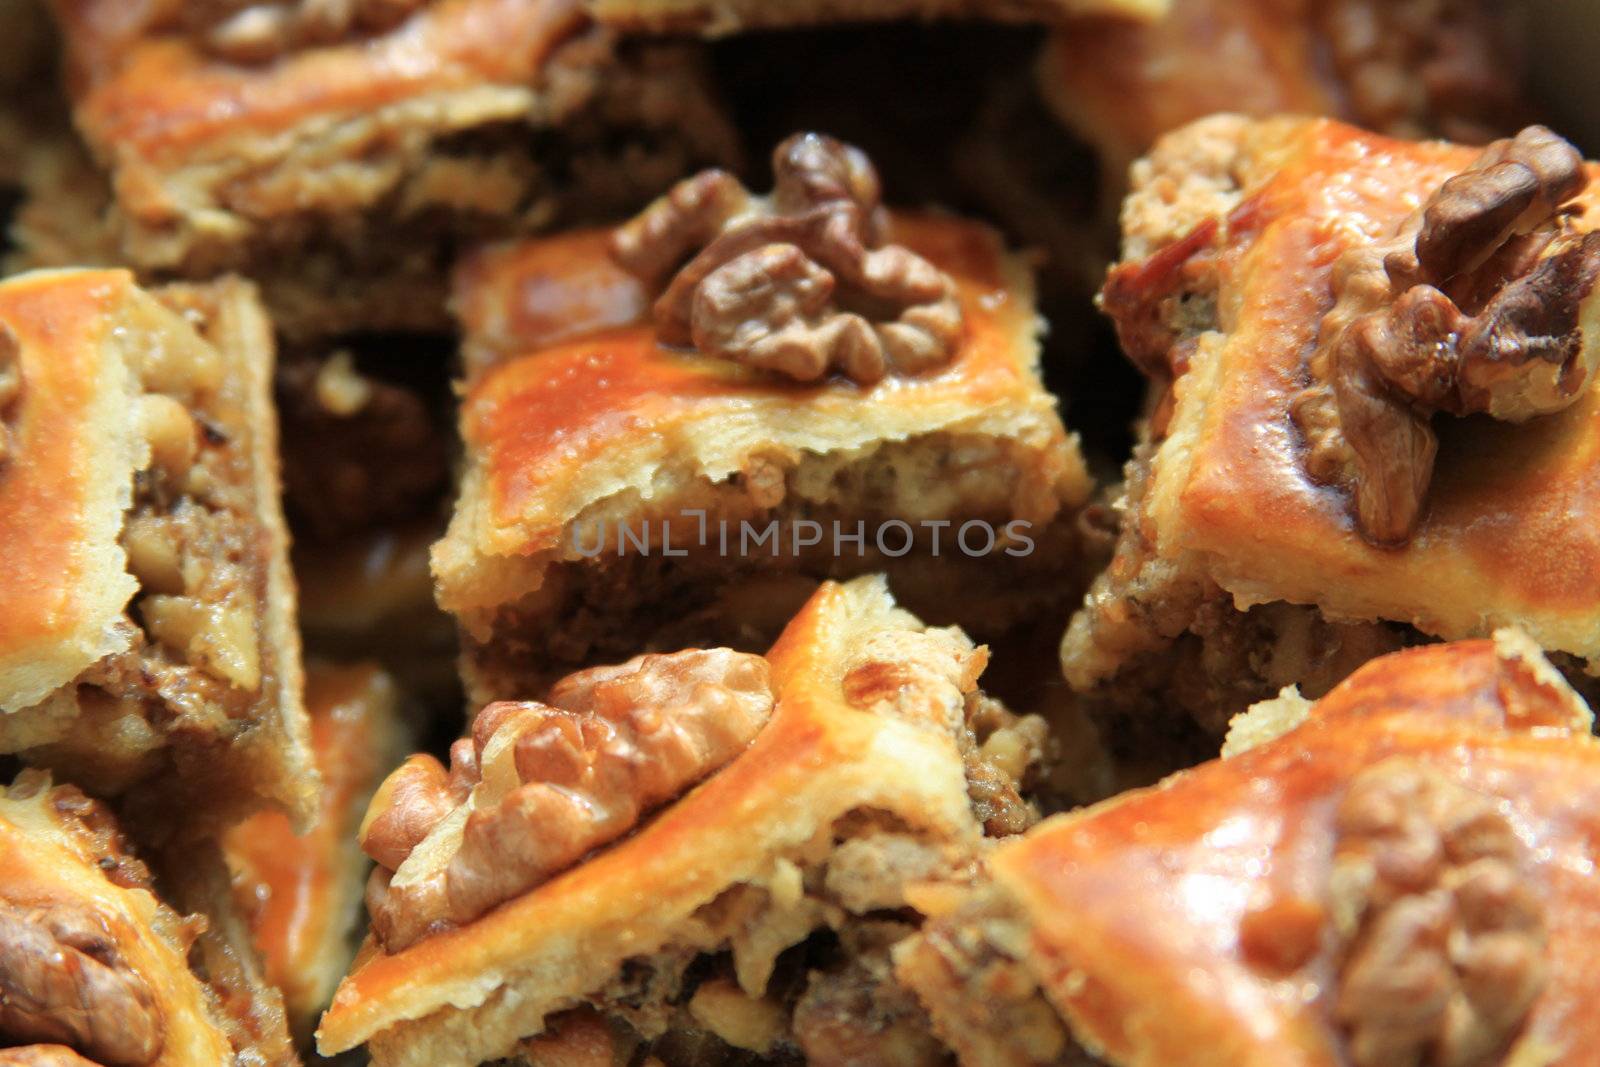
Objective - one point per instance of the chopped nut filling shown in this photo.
(801, 282)
(1444, 936)
(1476, 305)
(62, 981)
(986, 1003)
(551, 781)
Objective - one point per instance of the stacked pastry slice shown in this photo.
(674, 429)
(701, 848)
(148, 645)
(339, 153)
(1372, 421)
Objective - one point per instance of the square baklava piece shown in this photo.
(148, 642)
(106, 960)
(702, 855)
(337, 153)
(1372, 421)
(1400, 874)
(674, 429)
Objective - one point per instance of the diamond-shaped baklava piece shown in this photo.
(698, 846)
(337, 153)
(640, 479)
(148, 643)
(1372, 421)
(1400, 873)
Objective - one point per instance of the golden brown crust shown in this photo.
(1505, 539)
(1229, 872)
(148, 98)
(72, 449)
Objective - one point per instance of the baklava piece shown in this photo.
(339, 152)
(1401, 873)
(719, 17)
(96, 968)
(1407, 68)
(301, 894)
(701, 855)
(1371, 420)
(819, 389)
(148, 644)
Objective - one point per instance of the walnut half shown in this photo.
(1478, 304)
(1443, 935)
(799, 282)
(539, 785)
(62, 982)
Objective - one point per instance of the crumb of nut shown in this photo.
(219, 638)
(63, 981)
(154, 554)
(414, 799)
(253, 35)
(260, 32)
(1444, 936)
(743, 1021)
(777, 283)
(340, 388)
(548, 782)
(1480, 303)
(170, 434)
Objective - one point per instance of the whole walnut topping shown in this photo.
(542, 784)
(1476, 305)
(1444, 937)
(799, 282)
(63, 982)
(249, 31)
